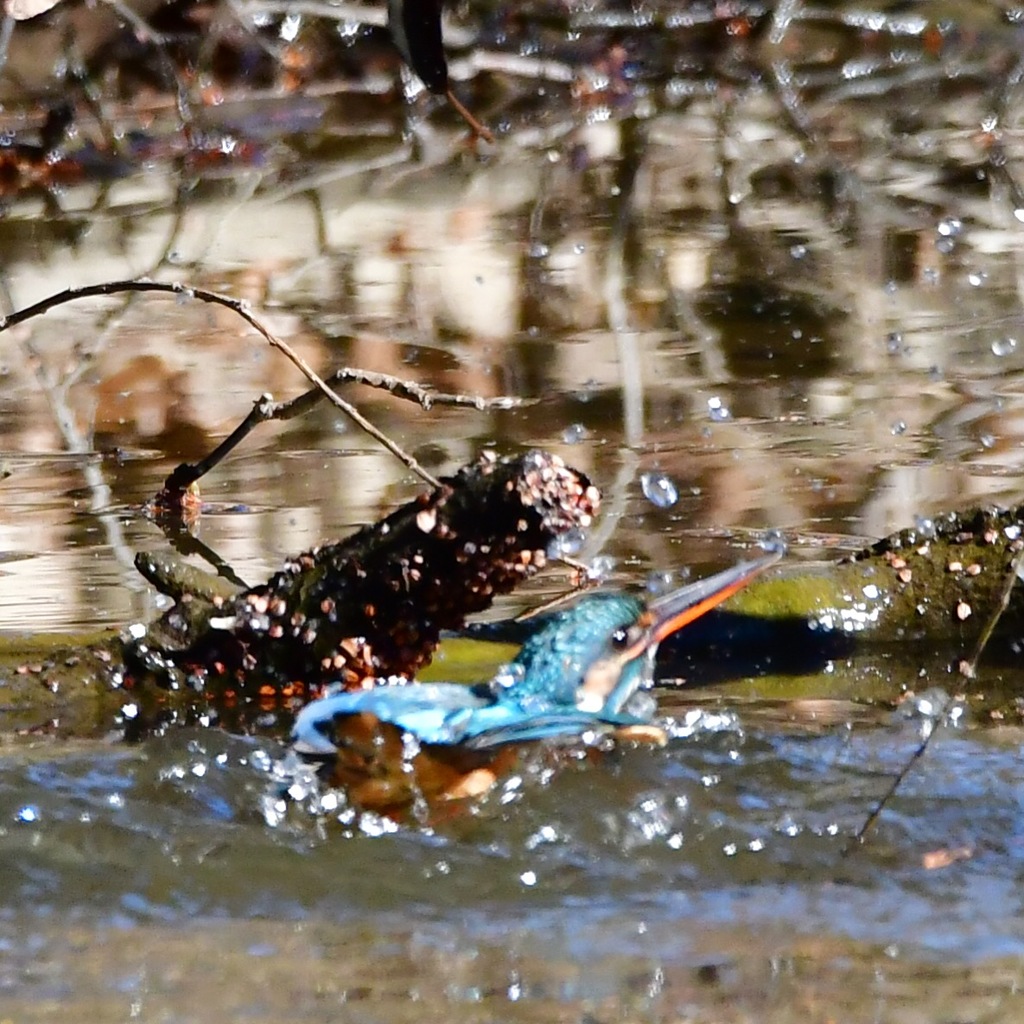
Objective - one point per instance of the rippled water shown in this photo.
(737, 327)
(652, 880)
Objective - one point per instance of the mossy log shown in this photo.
(941, 584)
(916, 609)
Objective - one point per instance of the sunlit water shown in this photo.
(765, 362)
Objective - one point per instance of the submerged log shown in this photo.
(939, 584)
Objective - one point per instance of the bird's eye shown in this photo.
(620, 639)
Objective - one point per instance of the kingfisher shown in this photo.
(578, 676)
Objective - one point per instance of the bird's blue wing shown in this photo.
(432, 712)
(526, 728)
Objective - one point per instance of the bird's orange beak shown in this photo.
(672, 612)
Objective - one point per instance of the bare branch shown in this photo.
(242, 309)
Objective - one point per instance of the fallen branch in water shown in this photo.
(373, 605)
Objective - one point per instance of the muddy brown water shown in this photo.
(697, 319)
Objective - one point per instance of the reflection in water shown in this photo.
(758, 268)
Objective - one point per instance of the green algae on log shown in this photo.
(926, 593)
(940, 583)
(374, 605)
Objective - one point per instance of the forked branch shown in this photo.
(265, 408)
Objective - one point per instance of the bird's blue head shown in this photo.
(595, 654)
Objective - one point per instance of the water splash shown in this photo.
(659, 489)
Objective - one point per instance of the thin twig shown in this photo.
(266, 409)
(478, 128)
(413, 392)
(241, 308)
(969, 667)
(932, 725)
(187, 544)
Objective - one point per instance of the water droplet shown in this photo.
(659, 489)
(1004, 346)
(538, 250)
(774, 542)
(508, 676)
(659, 582)
(788, 826)
(28, 813)
(600, 568)
(410, 751)
(1019, 214)
(950, 227)
(579, 248)
(299, 790)
(574, 433)
(798, 252)
(371, 824)
(977, 278)
(545, 834)
(567, 545)
(894, 343)
(717, 410)
(274, 808)
(641, 705)
(899, 427)
(925, 527)
(987, 440)
(528, 878)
